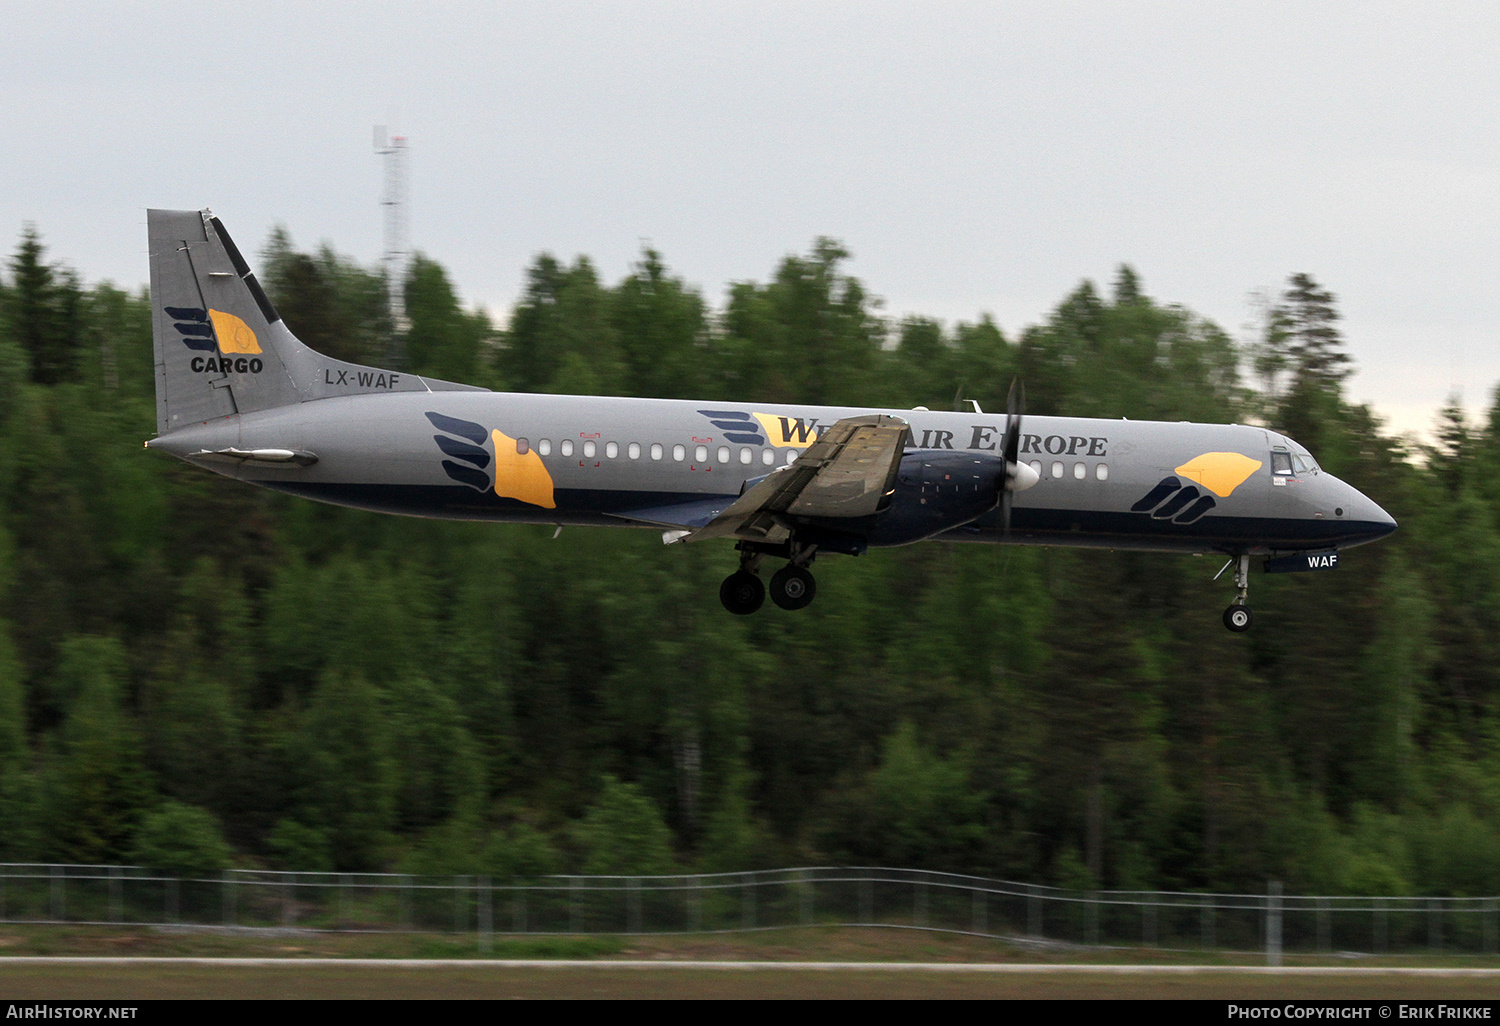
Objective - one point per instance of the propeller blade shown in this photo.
(1011, 450)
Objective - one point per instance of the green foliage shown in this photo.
(300, 847)
(448, 849)
(809, 336)
(351, 783)
(443, 340)
(1457, 853)
(43, 312)
(328, 301)
(345, 691)
(663, 329)
(560, 337)
(623, 833)
(520, 853)
(439, 773)
(916, 809)
(181, 840)
(18, 814)
(1130, 358)
(96, 786)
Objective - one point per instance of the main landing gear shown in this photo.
(1237, 617)
(742, 593)
(792, 587)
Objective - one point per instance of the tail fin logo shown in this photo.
(234, 334)
(193, 325)
(472, 448)
(214, 331)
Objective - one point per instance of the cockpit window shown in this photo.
(1304, 464)
(1281, 463)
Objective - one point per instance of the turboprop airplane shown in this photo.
(238, 394)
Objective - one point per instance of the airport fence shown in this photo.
(724, 902)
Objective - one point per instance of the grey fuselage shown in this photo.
(653, 462)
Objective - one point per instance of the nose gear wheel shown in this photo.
(1237, 617)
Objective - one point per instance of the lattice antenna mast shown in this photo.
(397, 250)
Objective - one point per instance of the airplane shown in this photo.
(238, 394)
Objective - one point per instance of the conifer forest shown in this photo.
(195, 673)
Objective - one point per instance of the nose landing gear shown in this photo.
(1237, 617)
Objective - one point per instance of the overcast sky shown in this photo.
(973, 157)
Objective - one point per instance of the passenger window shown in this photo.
(589, 448)
(544, 446)
(700, 454)
(611, 449)
(634, 450)
(791, 457)
(723, 454)
(1102, 472)
(1080, 471)
(1036, 465)
(1281, 463)
(566, 447)
(679, 452)
(522, 447)
(746, 456)
(1057, 471)
(768, 456)
(656, 450)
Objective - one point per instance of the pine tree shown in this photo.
(43, 312)
(1308, 317)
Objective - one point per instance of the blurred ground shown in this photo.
(1041, 977)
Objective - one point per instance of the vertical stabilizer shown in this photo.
(221, 347)
(218, 340)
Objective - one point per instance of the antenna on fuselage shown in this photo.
(959, 400)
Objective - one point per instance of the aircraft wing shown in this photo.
(848, 472)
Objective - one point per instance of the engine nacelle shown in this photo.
(936, 491)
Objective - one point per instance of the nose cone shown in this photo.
(1362, 520)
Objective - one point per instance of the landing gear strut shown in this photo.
(1237, 617)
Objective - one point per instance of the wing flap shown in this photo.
(848, 472)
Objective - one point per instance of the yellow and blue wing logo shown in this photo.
(518, 472)
(1217, 472)
(210, 330)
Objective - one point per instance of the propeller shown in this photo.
(1018, 476)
